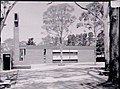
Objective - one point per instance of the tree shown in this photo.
(56, 41)
(71, 40)
(84, 39)
(47, 40)
(30, 41)
(114, 42)
(22, 43)
(56, 21)
(89, 20)
(92, 18)
(5, 8)
(7, 45)
(100, 44)
(114, 47)
(100, 13)
(90, 38)
(80, 39)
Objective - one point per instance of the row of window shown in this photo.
(67, 54)
(66, 61)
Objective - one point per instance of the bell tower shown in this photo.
(16, 39)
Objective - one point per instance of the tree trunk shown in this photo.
(0, 56)
(2, 25)
(0, 53)
(114, 46)
(61, 53)
(106, 28)
(0, 42)
(95, 55)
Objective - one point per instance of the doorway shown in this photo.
(6, 61)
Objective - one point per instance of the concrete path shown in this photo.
(70, 76)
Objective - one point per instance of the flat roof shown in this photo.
(57, 47)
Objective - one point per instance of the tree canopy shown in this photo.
(91, 18)
(57, 19)
(31, 41)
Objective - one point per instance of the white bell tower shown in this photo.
(16, 39)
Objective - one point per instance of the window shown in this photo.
(22, 54)
(44, 55)
(69, 56)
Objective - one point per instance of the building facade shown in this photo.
(51, 54)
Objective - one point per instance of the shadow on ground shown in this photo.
(61, 78)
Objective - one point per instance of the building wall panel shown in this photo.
(86, 56)
(34, 56)
(49, 56)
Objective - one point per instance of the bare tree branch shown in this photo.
(50, 3)
(65, 34)
(84, 9)
(6, 15)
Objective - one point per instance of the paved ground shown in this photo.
(72, 76)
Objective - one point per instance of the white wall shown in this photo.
(86, 56)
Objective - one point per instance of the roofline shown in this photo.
(57, 47)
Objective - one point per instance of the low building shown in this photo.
(51, 54)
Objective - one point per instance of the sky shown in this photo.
(31, 20)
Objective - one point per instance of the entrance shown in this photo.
(6, 62)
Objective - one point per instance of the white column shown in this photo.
(16, 39)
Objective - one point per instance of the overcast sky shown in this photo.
(31, 20)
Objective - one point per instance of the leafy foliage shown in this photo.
(30, 41)
(82, 39)
(90, 38)
(91, 21)
(47, 40)
(7, 45)
(22, 43)
(100, 44)
(71, 40)
(96, 8)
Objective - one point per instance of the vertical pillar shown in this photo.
(106, 36)
(16, 39)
